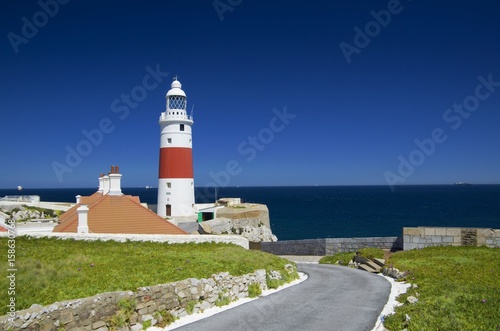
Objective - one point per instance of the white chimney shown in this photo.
(105, 185)
(101, 183)
(115, 182)
(78, 198)
(83, 212)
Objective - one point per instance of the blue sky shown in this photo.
(316, 93)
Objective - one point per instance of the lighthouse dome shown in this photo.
(175, 89)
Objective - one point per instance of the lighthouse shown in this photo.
(176, 183)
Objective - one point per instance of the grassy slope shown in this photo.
(50, 270)
(458, 289)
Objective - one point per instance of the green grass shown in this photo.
(345, 257)
(122, 316)
(50, 269)
(223, 299)
(458, 289)
(254, 290)
(190, 307)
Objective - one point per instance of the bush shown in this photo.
(223, 299)
(122, 316)
(146, 324)
(164, 317)
(273, 283)
(254, 290)
(190, 307)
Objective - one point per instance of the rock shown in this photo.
(205, 305)
(206, 227)
(146, 318)
(412, 300)
(393, 273)
(98, 325)
(136, 327)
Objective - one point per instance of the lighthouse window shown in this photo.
(169, 140)
(176, 102)
(182, 127)
(169, 185)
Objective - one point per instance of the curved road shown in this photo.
(332, 298)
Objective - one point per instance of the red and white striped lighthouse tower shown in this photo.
(176, 183)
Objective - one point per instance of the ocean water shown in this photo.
(305, 212)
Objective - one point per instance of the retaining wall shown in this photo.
(329, 246)
(97, 312)
(425, 236)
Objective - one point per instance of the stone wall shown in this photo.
(98, 312)
(423, 236)
(329, 246)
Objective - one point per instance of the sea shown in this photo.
(309, 212)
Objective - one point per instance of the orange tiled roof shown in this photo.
(116, 214)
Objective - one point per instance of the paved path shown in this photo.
(332, 298)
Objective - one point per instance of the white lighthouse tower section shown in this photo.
(176, 179)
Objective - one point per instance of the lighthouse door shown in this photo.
(169, 210)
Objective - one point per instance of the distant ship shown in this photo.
(148, 187)
(20, 188)
(463, 184)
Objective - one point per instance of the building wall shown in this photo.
(421, 237)
(329, 246)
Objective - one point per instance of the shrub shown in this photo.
(127, 306)
(122, 317)
(190, 307)
(164, 317)
(146, 324)
(254, 290)
(223, 299)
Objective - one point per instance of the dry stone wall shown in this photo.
(98, 312)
